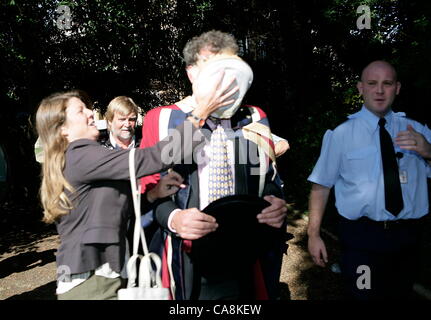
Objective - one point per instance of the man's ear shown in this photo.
(359, 85)
(398, 87)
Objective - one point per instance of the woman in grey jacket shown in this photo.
(85, 188)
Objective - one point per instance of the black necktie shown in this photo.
(393, 195)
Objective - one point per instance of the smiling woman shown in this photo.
(50, 119)
(85, 190)
(80, 122)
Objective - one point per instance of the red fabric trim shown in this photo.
(187, 246)
(166, 281)
(259, 283)
(262, 114)
(150, 136)
(270, 142)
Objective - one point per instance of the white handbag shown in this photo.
(150, 282)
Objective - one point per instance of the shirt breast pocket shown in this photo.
(414, 165)
(361, 164)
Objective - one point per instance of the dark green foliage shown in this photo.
(306, 56)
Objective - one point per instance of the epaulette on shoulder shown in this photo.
(342, 123)
(422, 121)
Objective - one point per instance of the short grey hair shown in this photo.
(214, 40)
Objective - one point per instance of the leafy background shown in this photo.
(306, 56)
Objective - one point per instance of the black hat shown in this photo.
(239, 238)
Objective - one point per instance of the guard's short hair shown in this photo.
(379, 62)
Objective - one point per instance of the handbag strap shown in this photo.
(138, 233)
(147, 277)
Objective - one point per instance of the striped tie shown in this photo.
(220, 183)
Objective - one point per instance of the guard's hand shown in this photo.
(192, 224)
(317, 250)
(275, 214)
(410, 139)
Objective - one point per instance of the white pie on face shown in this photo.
(232, 66)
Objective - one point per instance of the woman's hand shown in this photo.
(168, 185)
(211, 97)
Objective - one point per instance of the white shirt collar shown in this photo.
(114, 143)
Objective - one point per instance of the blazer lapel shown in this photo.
(241, 185)
(193, 201)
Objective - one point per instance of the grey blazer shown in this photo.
(94, 231)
